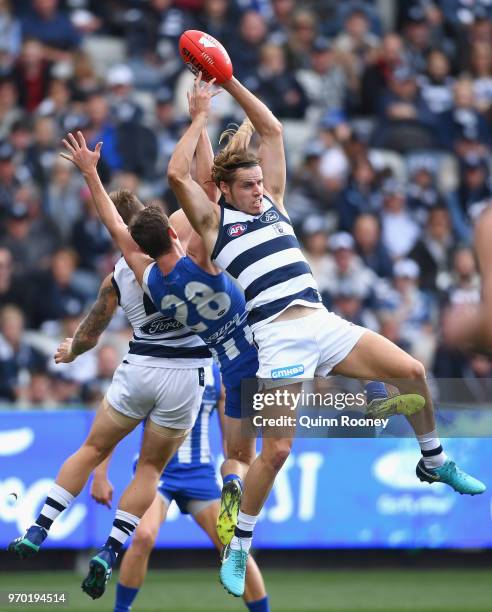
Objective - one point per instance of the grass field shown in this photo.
(289, 590)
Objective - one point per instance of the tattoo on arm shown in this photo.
(96, 321)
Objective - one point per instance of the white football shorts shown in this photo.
(306, 347)
(169, 397)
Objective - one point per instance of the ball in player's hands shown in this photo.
(203, 53)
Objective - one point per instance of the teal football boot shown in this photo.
(233, 570)
(28, 545)
(449, 473)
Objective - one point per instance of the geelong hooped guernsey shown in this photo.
(263, 254)
(210, 305)
(158, 341)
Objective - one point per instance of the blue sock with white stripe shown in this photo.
(230, 477)
(125, 596)
(261, 605)
(375, 390)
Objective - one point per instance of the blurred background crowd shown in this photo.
(387, 110)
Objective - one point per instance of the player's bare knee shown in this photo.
(416, 370)
(238, 453)
(278, 454)
(144, 540)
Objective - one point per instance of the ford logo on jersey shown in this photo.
(160, 325)
(237, 229)
(269, 216)
(287, 371)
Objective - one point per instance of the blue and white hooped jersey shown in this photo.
(158, 341)
(211, 306)
(263, 254)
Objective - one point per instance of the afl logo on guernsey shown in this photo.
(237, 229)
(269, 216)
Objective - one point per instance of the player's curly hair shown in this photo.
(235, 154)
(127, 204)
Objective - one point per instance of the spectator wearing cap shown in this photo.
(436, 84)
(334, 131)
(399, 229)
(31, 75)
(123, 107)
(347, 302)
(361, 195)
(29, 236)
(52, 26)
(422, 31)
(369, 246)
(433, 251)
(464, 129)
(324, 81)
(472, 194)
(277, 86)
(412, 307)
(17, 356)
(406, 122)
(166, 127)
(279, 20)
(422, 193)
(347, 267)
(314, 237)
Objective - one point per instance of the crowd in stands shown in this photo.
(387, 111)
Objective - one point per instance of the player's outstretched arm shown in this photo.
(202, 213)
(92, 326)
(86, 161)
(271, 150)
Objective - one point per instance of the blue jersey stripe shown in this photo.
(276, 277)
(180, 352)
(268, 310)
(254, 254)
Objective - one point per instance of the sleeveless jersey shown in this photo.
(158, 341)
(263, 254)
(212, 306)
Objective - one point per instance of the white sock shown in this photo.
(241, 543)
(245, 524)
(430, 443)
(124, 525)
(57, 501)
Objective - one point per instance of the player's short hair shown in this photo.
(150, 230)
(235, 154)
(127, 204)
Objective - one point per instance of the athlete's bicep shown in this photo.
(201, 212)
(272, 155)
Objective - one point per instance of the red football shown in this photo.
(200, 51)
